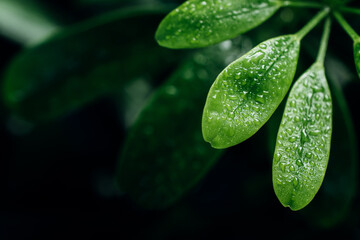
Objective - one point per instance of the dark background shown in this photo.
(57, 178)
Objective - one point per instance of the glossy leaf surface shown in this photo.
(165, 154)
(248, 91)
(200, 23)
(83, 62)
(303, 143)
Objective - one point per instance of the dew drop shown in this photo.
(263, 46)
(292, 139)
(293, 103)
(295, 181)
(299, 162)
(282, 166)
(277, 157)
(243, 95)
(257, 56)
(228, 106)
(304, 137)
(315, 132)
(260, 98)
(233, 97)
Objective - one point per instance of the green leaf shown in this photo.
(303, 142)
(83, 62)
(249, 90)
(165, 154)
(200, 23)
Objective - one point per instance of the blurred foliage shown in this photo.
(58, 170)
(175, 157)
(76, 65)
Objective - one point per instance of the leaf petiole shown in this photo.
(346, 26)
(324, 42)
(312, 23)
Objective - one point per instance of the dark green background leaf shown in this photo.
(165, 154)
(85, 61)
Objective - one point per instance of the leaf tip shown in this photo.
(289, 200)
(214, 140)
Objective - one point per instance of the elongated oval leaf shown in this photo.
(248, 91)
(83, 62)
(200, 23)
(303, 143)
(165, 154)
(357, 56)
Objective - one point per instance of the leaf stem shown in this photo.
(350, 10)
(312, 23)
(300, 4)
(324, 42)
(346, 26)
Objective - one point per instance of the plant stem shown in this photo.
(346, 26)
(300, 4)
(324, 42)
(312, 23)
(350, 10)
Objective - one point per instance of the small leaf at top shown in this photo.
(200, 23)
(249, 90)
(303, 142)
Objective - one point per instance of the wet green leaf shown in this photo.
(165, 154)
(303, 142)
(83, 62)
(248, 91)
(200, 23)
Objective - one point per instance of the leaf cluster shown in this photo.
(164, 154)
(249, 90)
